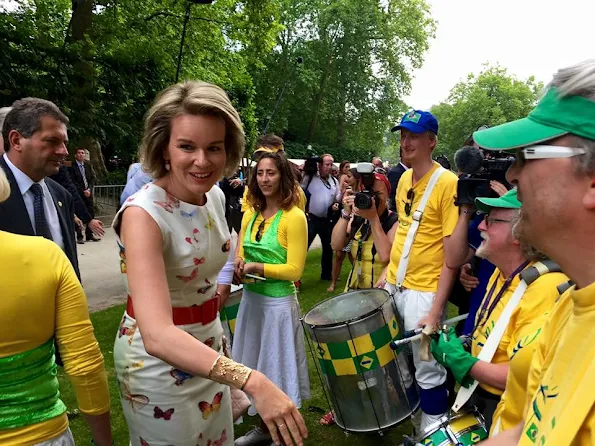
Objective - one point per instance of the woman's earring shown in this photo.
(167, 165)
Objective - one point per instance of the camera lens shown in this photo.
(362, 200)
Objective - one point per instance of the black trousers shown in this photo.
(89, 205)
(322, 227)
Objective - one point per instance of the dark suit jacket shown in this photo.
(64, 180)
(77, 177)
(394, 175)
(14, 217)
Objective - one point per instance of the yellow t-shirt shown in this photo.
(538, 299)
(522, 333)
(301, 203)
(439, 221)
(367, 275)
(41, 298)
(292, 235)
(559, 367)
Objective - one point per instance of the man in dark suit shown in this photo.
(35, 137)
(83, 178)
(80, 209)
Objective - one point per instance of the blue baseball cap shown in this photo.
(418, 121)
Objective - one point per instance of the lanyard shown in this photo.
(487, 300)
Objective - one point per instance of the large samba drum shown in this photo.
(229, 312)
(371, 387)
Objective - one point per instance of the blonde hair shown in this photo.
(194, 98)
(4, 186)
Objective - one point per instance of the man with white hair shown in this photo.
(555, 175)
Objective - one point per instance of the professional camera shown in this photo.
(477, 172)
(311, 166)
(363, 199)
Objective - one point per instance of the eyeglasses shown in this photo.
(260, 230)
(491, 220)
(410, 196)
(548, 152)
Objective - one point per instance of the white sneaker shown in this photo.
(254, 437)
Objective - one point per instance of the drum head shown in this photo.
(347, 307)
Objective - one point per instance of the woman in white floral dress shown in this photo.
(173, 238)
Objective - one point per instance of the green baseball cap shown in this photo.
(507, 201)
(554, 116)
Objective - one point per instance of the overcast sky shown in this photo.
(528, 37)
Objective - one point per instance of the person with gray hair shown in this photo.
(35, 137)
(3, 112)
(501, 376)
(554, 172)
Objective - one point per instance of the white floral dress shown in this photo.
(164, 405)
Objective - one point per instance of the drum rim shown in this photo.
(349, 321)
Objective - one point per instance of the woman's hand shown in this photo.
(348, 201)
(369, 214)
(238, 270)
(277, 410)
(498, 187)
(381, 282)
(468, 280)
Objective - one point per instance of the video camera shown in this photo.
(311, 166)
(363, 199)
(477, 172)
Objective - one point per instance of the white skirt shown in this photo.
(270, 339)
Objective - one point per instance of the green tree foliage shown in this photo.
(104, 61)
(357, 56)
(491, 98)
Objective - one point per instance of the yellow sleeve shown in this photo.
(293, 233)
(83, 361)
(301, 204)
(245, 206)
(245, 221)
(449, 212)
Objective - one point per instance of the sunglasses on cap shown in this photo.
(539, 152)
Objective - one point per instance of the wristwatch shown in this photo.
(344, 215)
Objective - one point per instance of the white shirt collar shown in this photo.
(23, 181)
(79, 163)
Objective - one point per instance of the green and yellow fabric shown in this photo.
(362, 354)
(230, 314)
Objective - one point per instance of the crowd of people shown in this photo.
(519, 259)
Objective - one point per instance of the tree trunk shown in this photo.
(82, 21)
(318, 99)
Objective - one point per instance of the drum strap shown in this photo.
(491, 345)
(528, 276)
(417, 216)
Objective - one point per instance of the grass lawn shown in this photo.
(313, 291)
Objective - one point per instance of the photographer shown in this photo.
(371, 227)
(321, 190)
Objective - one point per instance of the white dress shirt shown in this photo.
(51, 214)
(322, 195)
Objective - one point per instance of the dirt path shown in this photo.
(100, 269)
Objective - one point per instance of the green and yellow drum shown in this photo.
(464, 429)
(229, 313)
(371, 387)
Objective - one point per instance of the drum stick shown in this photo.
(252, 276)
(417, 332)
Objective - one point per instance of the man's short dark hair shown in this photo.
(270, 140)
(79, 148)
(25, 117)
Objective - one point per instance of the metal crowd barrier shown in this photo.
(106, 199)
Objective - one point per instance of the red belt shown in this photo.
(203, 314)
